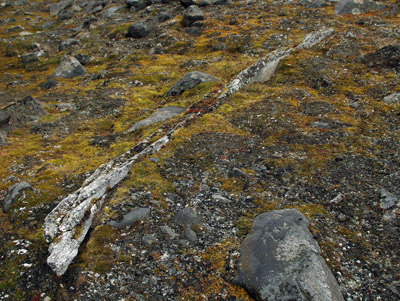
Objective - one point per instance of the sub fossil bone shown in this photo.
(66, 226)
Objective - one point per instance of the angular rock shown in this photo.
(189, 81)
(13, 193)
(159, 115)
(163, 16)
(69, 68)
(355, 7)
(138, 30)
(131, 218)
(191, 15)
(67, 43)
(23, 111)
(279, 260)
(392, 98)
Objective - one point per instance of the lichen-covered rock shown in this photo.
(56, 8)
(191, 15)
(280, 260)
(13, 193)
(355, 7)
(392, 98)
(189, 81)
(69, 68)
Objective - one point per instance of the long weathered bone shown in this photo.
(67, 225)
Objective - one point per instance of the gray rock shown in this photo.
(203, 3)
(187, 3)
(192, 14)
(388, 199)
(167, 230)
(149, 239)
(187, 218)
(48, 84)
(138, 4)
(355, 7)
(279, 260)
(392, 98)
(163, 16)
(159, 115)
(238, 173)
(321, 125)
(110, 12)
(22, 111)
(15, 29)
(13, 193)
(67, 43)
(56, 8)
(313, 3)
(189, 81)
(131, 218)
(220, 198)
(138, 30)
(69, 68)
(83, 58)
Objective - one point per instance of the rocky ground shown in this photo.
(79, 78)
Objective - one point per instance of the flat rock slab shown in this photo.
(131, 218)
(280, 260)
(159, 115)
(189, 81)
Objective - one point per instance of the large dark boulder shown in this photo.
(386, 57)
(355, 7)
(189, 81)
(280, 260)
(191, 15)
(138, 30)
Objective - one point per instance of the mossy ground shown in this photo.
(306, 164)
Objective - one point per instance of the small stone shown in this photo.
(321, 125)
(167, 230)
(149, 239)
(48, 84)
(187, 218)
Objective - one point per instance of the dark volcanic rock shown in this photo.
(138, 30)
(13, 193)
(163, 16)
(83, 59)
(69, 68)
(24, 110)
(280, 260)
(355, 7)
(386, 57)
(138, 4)
(48, 84)
(189, 81)
(191, 15)
(187, 3)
